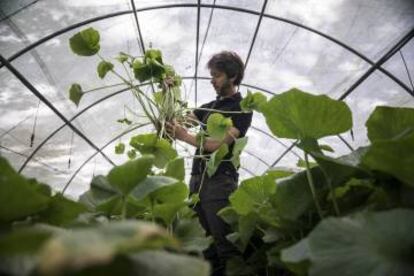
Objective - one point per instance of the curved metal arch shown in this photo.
(41, 144)
(99, 18)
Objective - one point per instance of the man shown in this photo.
(227, 71)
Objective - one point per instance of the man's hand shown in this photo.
(175, 130)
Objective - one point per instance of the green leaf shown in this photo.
(366, 244)
(296, 257)
(153, 54)
(253, 101)
(100, 191)
(255, 192)
(238, 147)
(191, 235)
(120, 148)
(152, 263)
(247, 225)
(394, 157)
(132, 154)
(19, 197)
(86, 247)
(160, 189)
(151, 144)
(142, 72)
(124, 121)
(302, 164)
(175, 169)
(61, 211)
(218, 125)
(75, 93)
(326, 148)
(127, 176)
(85, 43)
(215, 159)
(389, 122)
(103, 68)
(167, 212)
(295, 114)
(122, 57)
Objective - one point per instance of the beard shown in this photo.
(225, 89)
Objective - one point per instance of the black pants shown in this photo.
(214, 196)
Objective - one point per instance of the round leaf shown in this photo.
(218, 125)
(297, 115)
(85, 43)
(130, 174)
(367, 244)
(75, 93)
(103, 68)
(389, 122)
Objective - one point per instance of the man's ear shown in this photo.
(233, 79)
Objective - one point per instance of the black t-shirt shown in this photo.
(241, 121)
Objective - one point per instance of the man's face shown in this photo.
(221, 83)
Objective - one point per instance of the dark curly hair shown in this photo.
(228, 62)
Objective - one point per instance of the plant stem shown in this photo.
(123, 213)
(103, 87)
(335, 203)
(220, 111)
(312, 186)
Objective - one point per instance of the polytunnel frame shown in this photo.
(374, 66)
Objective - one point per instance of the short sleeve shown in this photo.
(242, 122)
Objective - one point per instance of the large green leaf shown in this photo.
(167, 212)
(366, 244)
(161, 263)
(394, 157)
(19, 197)
(191, 235)
(99, 192)
(160, 188)
(130, 174)
(293, 197)
(151, 144)
(175, 169)
(81, 248)
(215, 158)
(389, 122)
(142, 71)
(85, 43)
(239, 145)
(61, 211)
(295, 114)
(218, 125)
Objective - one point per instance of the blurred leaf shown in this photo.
(127, 176)
(218, 125)
(61, 211)
(75, 93)
(85, 43)
(132, 154)
(239, 145)
(295, 114)
(326, 148)
(247, 225)
(191, 235)
(153, 54)
(100, 191)
(124, 121)
(120, 148)
(175, 169)
(161, 189)
(103, 68)
(302, 164)
(253, 101)
(167, 212)
(215, 159)
(142, 72)
(151, 144)
(394, 157)
(365, 244)
(19, 197)
(85, 247)
(387, 123)
(122, 57)
(296, 257)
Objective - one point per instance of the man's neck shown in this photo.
(228, 94)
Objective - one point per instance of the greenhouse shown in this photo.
(214, 137)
